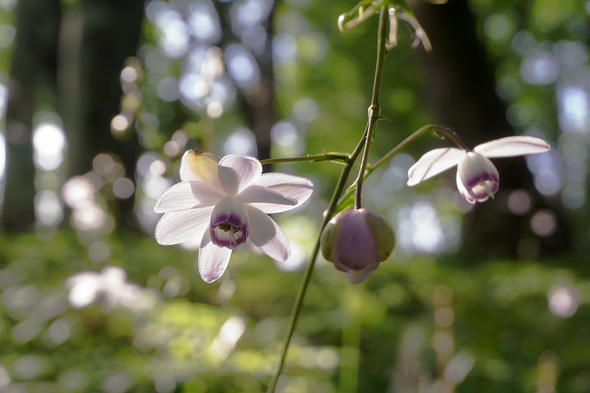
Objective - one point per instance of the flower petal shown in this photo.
(187, 195)
(463, 191)
(238, 172)
(434, 162)
(295, 188)
(358, 276)
(512, 146)
(258, 196)
(177, 227)
(267, 236)
(199, 166)
(213, 260)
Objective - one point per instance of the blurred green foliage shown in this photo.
(499, 318)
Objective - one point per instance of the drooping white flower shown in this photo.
(225, 202)
(477, 177)
(110, 285)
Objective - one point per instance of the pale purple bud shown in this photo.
(356, 241)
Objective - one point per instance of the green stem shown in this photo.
(309, 271)
(374, 109)
(430, 127)
(317, 157)
(349, 161)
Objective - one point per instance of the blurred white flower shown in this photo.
(110, 286)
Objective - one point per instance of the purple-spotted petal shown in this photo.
(199, 166)
(294, 188)
(237, 173)
(187, 195)
(177, 227)
(213, 260)
(267, 236)
(512, 146)
(434, 162)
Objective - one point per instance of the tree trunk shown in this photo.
(110, 34)
(32, 86)
(256, 104)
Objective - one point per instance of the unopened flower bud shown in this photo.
(356, 241)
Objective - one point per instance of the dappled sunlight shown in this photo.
(544, 223)
(563, 300)
(242, 66)
(574, 108)
(546, 169)
(241, 141)
(228, 336)
(49, 142)
(420, 230)
(48, 208)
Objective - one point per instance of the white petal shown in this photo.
(433, 163)
(512, 146)
(259, 196)
(267, 236)
(212, 260)
(199, 166)
(358, 276)
(238, 172)
(292, 187)
(177, 227)
(463, 191)
(186, 195)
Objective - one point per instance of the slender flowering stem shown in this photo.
(333, 156)
(430, 127)
(365, 140)
(310, 268)
(374, 108)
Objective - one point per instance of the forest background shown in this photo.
(99, 100)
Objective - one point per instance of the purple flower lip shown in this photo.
(481, 177)
(228, 230)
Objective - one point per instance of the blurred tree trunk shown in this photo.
(110, 31)
(259, 104)
(256, 104)
(460, 86)
(32, 86)
(89, 91)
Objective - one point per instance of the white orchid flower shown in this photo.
(224, 202)
(477, 177)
